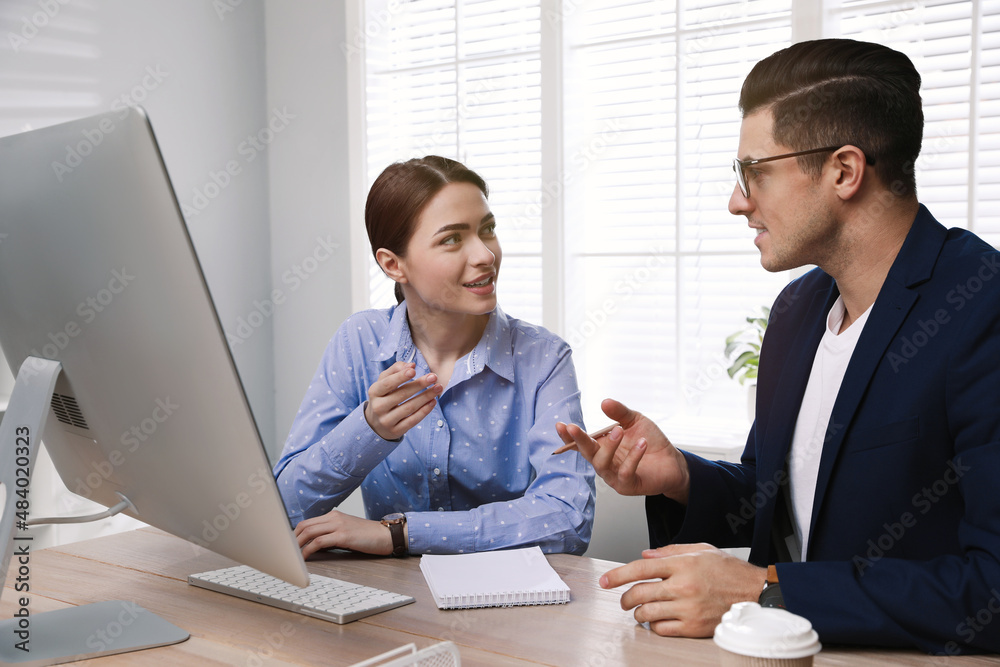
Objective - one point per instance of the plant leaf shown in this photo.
(740, 362)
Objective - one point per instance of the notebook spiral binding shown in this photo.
(508, 599)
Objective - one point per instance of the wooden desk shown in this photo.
(150, 568)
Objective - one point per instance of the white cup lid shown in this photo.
(748, 629)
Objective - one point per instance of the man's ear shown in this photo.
(392, 265)
(850, 169)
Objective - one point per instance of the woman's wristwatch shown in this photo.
(771, 595)
(396, 523)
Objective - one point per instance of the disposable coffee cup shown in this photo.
(753, 636)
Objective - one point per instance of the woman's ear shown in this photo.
(392, 265)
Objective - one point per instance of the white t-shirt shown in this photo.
(829, 365)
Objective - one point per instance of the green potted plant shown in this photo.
(743, 353)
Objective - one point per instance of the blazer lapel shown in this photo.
(792, 384)
(912, 266)
(775, 440)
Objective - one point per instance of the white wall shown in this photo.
(309, 176)
(309, 180)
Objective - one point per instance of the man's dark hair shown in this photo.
(834, 92)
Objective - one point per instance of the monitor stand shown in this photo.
(74, 633)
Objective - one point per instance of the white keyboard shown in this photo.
(324, 597)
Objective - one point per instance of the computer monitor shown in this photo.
(101, 292)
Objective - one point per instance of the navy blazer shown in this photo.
(904, 547)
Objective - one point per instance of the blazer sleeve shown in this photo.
(718, 489)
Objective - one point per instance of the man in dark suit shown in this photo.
(868, 487)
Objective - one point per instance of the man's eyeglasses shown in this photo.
(739, 165)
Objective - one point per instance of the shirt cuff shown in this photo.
(441, 532)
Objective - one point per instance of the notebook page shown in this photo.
(493, 578)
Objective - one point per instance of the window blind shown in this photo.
(661, 272)
(656, 272)
(462, 80)
(956, 48)
(987, 165)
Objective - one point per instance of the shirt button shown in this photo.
(437, 471)
(440, 423)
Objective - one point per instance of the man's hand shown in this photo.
(336, 529)
(397, 400)
(695, 584)
(634, 458)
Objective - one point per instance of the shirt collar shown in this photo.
(495, 349)
(397, 341)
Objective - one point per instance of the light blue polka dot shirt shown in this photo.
(474, 475)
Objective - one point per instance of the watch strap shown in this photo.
(771, 595)
(397, 532)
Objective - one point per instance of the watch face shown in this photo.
(395, 517)
(772, 597)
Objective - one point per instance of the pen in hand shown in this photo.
(595, 435)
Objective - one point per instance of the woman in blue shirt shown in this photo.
(441, 408)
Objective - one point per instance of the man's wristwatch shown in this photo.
(396, 523)
(771, 595)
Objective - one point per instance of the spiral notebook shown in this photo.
(493, 579)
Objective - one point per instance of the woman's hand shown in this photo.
(395, 402)
(336, 529)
